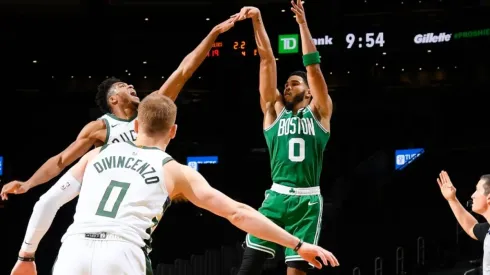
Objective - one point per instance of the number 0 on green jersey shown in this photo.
(296, 143)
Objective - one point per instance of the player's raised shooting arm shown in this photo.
(268, 68)
(190, 184)
(191, 62)
(87, 138)
(318, 86)
(66, 189)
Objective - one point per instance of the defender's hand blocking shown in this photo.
(247, 12)
(14, 187)
(225, 25)
(299, 11)
(447, 188)
(309, 253)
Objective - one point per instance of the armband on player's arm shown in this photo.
(316, 80)
(66, 189)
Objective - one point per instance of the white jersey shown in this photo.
(123, 193)
(118, 130)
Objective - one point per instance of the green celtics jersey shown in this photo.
(296, 143)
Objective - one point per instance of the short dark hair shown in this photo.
(486, 184)
(102, 91)
(301, 74)
(156, 114)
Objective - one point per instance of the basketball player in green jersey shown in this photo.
(122, 188)
(119, 101)
(296, 129)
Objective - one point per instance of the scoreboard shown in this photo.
(234, 47)
(289, 41)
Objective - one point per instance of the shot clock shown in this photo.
(366, 40)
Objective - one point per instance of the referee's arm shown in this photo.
(465, 219)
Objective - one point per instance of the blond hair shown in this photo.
(156, 114)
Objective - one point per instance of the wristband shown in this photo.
(26, 259)
(311, 59)
(298, 246)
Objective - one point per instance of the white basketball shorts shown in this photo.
(100, 254)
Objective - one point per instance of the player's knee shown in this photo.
(252, 262)
(302, 267)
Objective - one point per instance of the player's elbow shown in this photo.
(267, 58)
(186, 68)
(239, 214)
(60, 161)
(185, 73)
(267, 63)
(46, 203)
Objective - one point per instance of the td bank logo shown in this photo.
(288, 43)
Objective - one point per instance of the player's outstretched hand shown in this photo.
(310, 252)
(246, 12)
(24, 268)
(225, 25)
(14, 187)
(299, 11)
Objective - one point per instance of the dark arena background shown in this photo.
(403, 75)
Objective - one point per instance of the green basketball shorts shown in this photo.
(297, 210)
